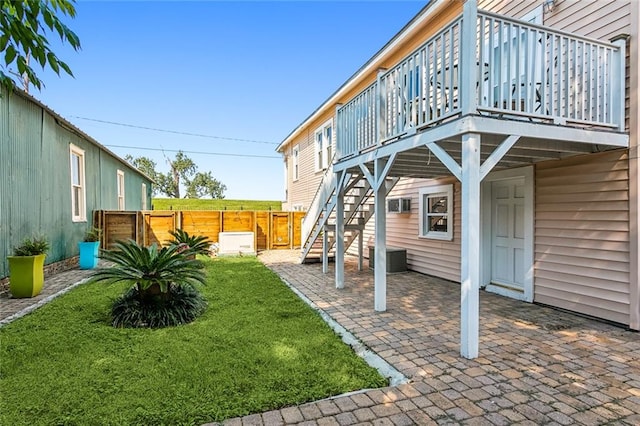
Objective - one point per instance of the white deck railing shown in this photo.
(516, 69)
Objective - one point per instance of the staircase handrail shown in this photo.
(325, 189)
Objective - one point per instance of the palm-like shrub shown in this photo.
(195, 244)
(161, 279)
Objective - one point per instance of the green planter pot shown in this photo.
(89, 254)
(26, 275)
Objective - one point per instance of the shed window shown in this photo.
(78, 195)
(144, 196)
(120, 190)
(436, 212)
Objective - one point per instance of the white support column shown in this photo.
(325, 248)
(360, 249)
(470, 251)
(339, 232)
(380, 211)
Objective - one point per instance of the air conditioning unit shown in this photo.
(398, 205)
(236, 243)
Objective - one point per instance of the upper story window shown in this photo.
(120, 190)
(324, 146)
(295, 157)
(78, 191)
(436, 212)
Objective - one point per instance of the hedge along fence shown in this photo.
(272, 230)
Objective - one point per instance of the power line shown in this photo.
(174, 131)
(194, 152)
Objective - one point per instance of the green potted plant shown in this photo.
(26, 267)
(89, 248)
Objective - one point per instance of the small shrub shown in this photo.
(185, 305)
(160, 278)
(92, 235)
(195, 244)
(32, 246)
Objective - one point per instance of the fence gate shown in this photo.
(157, 227)
(117, 226)
(280, 231)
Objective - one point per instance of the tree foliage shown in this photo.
(23, 29)
(183, 171)
(204, 185)
(144, 164)
(181, 168)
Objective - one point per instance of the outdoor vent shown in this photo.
(399, 205)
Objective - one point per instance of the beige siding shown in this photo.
(433, 257)
(304, 188)
(600, 19)
(515, 9)
(582, 235)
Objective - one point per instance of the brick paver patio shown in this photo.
(537, 365)
(54, 285)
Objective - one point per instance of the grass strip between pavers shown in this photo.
(257, 347)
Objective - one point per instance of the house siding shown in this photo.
(35, 197)
(582, 235)
(428, 256)
(302, 190)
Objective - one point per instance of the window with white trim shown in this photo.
(324, 146)
(143, 203)
(436, 212)
(328, 145)
(295, 157)
(120, 190)
(78, 191)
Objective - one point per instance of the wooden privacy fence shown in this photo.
(271, 230)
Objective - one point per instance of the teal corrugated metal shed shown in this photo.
(35, 176)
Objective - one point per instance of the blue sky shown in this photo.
(250, 70)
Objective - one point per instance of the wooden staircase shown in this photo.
(320, 218)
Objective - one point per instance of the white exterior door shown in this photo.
(508, 233)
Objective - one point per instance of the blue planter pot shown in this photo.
(89, 254)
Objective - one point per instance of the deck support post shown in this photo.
(470, 250)
(339, 232)
(360, 249)
(380, 212)
(325, 247)
(381, 167)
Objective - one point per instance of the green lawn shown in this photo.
(207, 204)
(258, 347)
